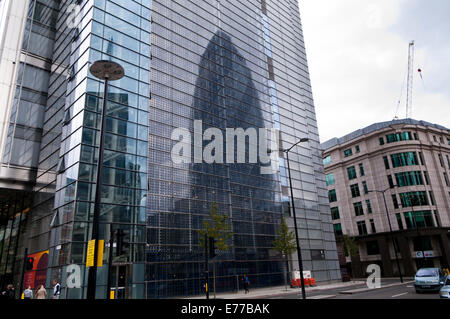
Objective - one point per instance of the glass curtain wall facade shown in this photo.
(230, 64)
(119, 31)
(25, 117)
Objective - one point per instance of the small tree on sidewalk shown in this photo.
(219, 228)
(285, 244)
(351, 250)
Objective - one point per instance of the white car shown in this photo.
(429, 279)
(445, 290)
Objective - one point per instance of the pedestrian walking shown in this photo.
(56, 290)
(246, 284)
(9, 293)
(41, 293)
(28, 293)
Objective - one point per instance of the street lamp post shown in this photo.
(106, 71)
(299, 253)
(390, 229)
(412, 201)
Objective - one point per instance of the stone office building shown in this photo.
(405, 164)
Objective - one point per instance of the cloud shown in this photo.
(358, 57)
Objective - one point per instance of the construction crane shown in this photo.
(410, 80)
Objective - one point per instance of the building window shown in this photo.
(386, 162)
(446, 180)
(427, 180)
(430, 193)
(348, 152)
(409, 178)
(414, 199)
(397, 137)
(327, 160)
(422, 243)
(332, 196)
(399, 221)
(361, 169)
(330, 179)
(359, 211)
(362, 229)
(448, 161)
(434, 138)
(357, 149)
(372, 247)
(422, 161)
(438, 219)
(394, 200)
(372, 226)
(366, 190)
(416, 136)
(317, 254)
(335, 213)
(404, 159)
(351, 172)
(441, 161)
(390, 181)
(381, 141)
(355, 190)
(419, 219)
(337, 229)
(286, 206)
(369, 206)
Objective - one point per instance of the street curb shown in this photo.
(308, 289)
(356, 291)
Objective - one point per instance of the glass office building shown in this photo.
(229, 64)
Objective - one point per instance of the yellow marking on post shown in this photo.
(101, 245)
(90, 253)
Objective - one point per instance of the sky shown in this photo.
(357, 54)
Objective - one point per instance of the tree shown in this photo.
(219, 228)
(350, 246)
(285, 244)
(351, 250)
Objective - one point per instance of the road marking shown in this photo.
(409, 286)
(399, 295)
(322, 296)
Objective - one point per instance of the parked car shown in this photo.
(429, 279)
(445, 290)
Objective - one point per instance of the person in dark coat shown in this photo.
(10, 293)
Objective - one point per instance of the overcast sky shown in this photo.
(358, 60)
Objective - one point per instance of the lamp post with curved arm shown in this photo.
(299, 253)
(106, 71)
(390, 229)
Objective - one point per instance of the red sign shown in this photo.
(38, 275)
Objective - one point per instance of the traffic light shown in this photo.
(212, 247)
(29, 264)
(123, 242)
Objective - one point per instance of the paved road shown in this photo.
(405, 291)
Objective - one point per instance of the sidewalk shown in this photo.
(261, 293)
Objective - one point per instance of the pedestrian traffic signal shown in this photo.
(29, 264)
(212, 247)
